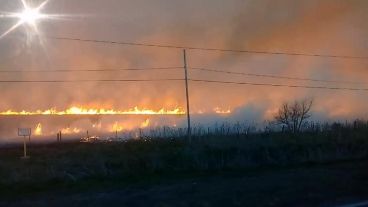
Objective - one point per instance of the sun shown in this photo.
(30, 16)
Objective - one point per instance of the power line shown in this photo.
(86, 81)
(88, 70)
(206, 49)
(180, 68)
(279, 85)
(192, 80)
(276, 76)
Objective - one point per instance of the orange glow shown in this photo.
(103, 111)
(38, 130)
(117, 127)
(94, 111)
(222, 111)
(145, 123)
(71, 131)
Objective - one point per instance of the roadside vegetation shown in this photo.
(224, 148)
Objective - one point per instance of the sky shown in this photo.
(333, 27)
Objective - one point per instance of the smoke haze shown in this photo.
(336, 27)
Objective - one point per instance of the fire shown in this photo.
(38, 129)
(94, 111)
(103, 111)
(97, 126)
(71, 131)
(145, 123)
(117, 127)
(222, 111)
(216, 110)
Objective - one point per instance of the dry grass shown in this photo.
(62, 164)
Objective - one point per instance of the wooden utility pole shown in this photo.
(189, 132)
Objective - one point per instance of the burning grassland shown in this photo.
(76, 121)
(46, 127)
(94, 111)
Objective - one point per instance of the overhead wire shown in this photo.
(278, 85)
(191, 80)
(89, 80)
(206, 48)
(88, 70)
(193, 68)
(275, 76)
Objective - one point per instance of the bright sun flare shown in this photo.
(29, 16)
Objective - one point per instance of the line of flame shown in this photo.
(92, 111)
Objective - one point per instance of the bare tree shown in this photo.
(293, 116)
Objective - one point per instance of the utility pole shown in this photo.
(189, 133)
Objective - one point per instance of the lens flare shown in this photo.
(28, 16)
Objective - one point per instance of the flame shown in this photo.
(94, 111)
(145, 124)
(38, 129)
(103, 111)
(71, 131)
(117, 127)
(97, 126)
(218, 110)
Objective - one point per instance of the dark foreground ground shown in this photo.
(173, 173)
(322, 185)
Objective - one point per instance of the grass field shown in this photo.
(73, 168)
(272, 166)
